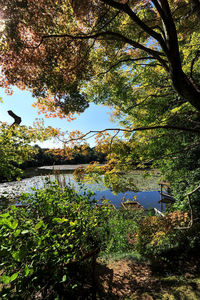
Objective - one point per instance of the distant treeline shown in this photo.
(77, 155)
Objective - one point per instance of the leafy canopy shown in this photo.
(114, 45)
(15, 147)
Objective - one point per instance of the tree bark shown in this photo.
(185, 88)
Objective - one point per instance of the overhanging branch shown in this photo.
(109, 35)
(191, 130)
(17, 119)
(126, 9)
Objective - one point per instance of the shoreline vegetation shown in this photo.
(18, 164)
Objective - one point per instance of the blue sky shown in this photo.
(96, 117)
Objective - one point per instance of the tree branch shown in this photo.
(15, 117)
(110, 35)
(123, 61)
(126, 8)
(191, 208)
(196, 7)
(193, 62)
(147, 97)
(113, 139)
(192, 130)
(171, 39)
(110, 21)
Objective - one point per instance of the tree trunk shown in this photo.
(185, 88)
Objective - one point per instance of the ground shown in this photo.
(127, 279)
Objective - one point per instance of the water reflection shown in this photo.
(148, 196)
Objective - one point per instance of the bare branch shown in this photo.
(110, 21)
(190, 203)
(113, 139)
(191, 208)
(15, 117)
(161, 13)
(146, 98)
(123, 61)
(191, 130)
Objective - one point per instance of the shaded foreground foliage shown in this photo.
(43, 242)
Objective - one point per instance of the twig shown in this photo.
(123, 61)
(193, 62)
(113, 139)
(191, 209)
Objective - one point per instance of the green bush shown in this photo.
(42, 243)
(117, 229)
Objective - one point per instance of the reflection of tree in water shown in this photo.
(115, 181)
(119, 183)
(136, 180)
(122, 182)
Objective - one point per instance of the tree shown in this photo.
(65, 43)
(142, 57)
(15, 147)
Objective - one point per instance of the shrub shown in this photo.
(116, 230)
(163, 239)
(44, 241)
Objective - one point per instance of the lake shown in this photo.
(145, 189)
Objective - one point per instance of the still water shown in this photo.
(147, 188)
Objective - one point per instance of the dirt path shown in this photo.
(119, 280)
(129, 280)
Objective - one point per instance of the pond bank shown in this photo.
(64, 167)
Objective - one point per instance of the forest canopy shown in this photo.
(116, 52)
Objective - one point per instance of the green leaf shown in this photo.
(73, 223)
(27, 270)
(25, 231)
(14, 276)
(13, 225)
(64, 278)
(56, 220)
(17, 232)
(39, 225)
(5, 215)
